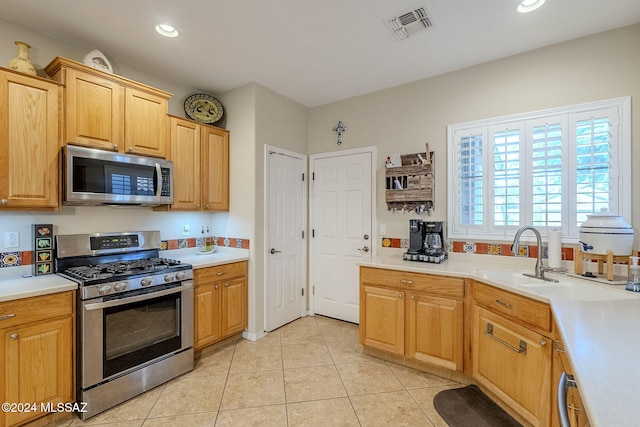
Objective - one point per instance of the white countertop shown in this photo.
(596, 321)
(12, 288)
(222, 255)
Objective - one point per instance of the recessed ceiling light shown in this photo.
(166, 30)
(529, 5)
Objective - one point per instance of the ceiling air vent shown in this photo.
(408, 22)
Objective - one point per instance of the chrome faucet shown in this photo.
(540, 268)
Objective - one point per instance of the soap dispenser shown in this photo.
(633, 282)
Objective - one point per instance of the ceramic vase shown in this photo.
(21, 62)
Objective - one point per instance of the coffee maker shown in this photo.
(427, 241)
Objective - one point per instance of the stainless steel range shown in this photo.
(134, 317)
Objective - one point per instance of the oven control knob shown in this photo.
(181, 275)
(169, 277)
(119, 287)
(103, 290)
(146, 281)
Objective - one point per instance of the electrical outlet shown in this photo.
(11, 239)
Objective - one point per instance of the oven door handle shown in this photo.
(150, 295)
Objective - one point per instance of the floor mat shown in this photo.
(470, 407)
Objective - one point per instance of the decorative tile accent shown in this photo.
(524, 251)
(182, 243)
(226, 241)
(495, 249)
(470, 247)
(404, 243)
(10, 259)
(386, 242)
(164, 245)
(239, 243)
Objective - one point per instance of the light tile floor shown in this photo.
(311, 372)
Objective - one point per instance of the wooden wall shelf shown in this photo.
(412, 185)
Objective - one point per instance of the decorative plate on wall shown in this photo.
(203, 108)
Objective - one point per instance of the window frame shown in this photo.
(619, 181)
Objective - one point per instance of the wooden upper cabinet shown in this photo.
(185, 154)
(215, 169)
(93, 108)
(109, 112)
(29, 141)
(200, 155)
(145, 122)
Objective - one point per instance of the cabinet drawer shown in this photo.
(439, 285)
(220, 272)
(523, 309)
(33, 309)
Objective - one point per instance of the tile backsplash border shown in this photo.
(484, 248)
(20, 258)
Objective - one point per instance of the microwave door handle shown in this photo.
(158, 181)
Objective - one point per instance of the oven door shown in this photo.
(121, 333)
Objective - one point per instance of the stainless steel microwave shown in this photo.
(95, 177)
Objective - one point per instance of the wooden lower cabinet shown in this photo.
(514, 363)
(575, 408)
(220, 299)
(419, 316)
(435, 330)
(382, 318)
(37, 356)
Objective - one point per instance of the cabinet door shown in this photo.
(185, 154)
(382, 318)
(575, 407)
(514, 363)
(215, 169)
(234, 306)
(37, 366)
(29, 142)
(435, 331)
(207, 322)
(145, 123)
(94, 109)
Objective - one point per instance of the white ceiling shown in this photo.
(313, 52)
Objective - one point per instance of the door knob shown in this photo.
(15, 336)
(366, 237)
(274, 251)
(365, 249)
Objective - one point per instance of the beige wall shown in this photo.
(402, 119)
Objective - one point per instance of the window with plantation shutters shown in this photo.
(549, 169)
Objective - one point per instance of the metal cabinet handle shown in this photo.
(15, 336)
(565, 382)
(556, 346)
(505, 304)
(4, 201)
(407, 282)
(216, 286)
(274, 251)
(130, 149)
(365, 249)
(413, 297)
(115, 147)
(7, 316)
(226, 284)
(221, 273)
(399, 295)
(521, 349)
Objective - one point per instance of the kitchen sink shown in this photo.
(511, 277)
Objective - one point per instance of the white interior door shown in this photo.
(286, 245)
(341, 218)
